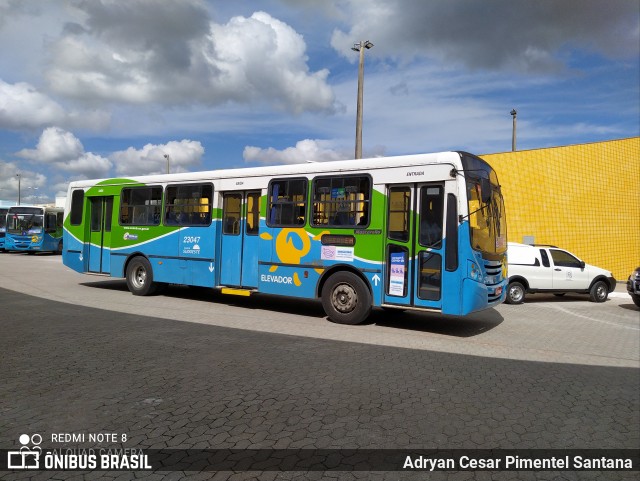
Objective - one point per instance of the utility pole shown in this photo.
(360, 47)
(18, 176)
(166, 156)
(514, 113)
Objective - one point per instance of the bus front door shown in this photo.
(240, 229)
(100, 225)
(414, 256)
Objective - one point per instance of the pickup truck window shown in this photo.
(564, 259)
(545, 258)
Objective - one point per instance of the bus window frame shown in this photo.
(166, 205)
(77, 207)
(366, 203)
(129, 206)
(271, 204)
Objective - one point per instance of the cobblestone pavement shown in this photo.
(182, 385)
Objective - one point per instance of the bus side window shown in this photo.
(77, 203)
(50, 223)
(188, 204)
(341, 201)
(287, 202)
(399, 219)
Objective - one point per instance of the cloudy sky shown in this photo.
(100, 88)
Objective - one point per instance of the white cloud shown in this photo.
(22, 106)
(65, 151)
(151, 158)
(143, 51)
(54, 145)
(305, 150)
(32, 184)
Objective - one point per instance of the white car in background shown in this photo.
(543, 268)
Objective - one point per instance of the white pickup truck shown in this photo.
(542, 268)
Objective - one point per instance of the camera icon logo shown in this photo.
(26, 457)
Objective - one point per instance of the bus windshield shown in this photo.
(25, 221)
(487, 218)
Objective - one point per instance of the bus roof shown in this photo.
(30, 206)
(291, 169)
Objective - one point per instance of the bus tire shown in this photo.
(346, 299)
(59, 251)
(140, 277)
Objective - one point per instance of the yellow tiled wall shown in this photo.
(584, 198)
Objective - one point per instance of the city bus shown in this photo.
(418, 232)
(3, 225)
(32, 229)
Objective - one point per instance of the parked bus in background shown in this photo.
(34, 229)
(422, 232)
(3, 225)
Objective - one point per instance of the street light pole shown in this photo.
(514, 113)
(166, 156)
(18, 176)
(360, 47)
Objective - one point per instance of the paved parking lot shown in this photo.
(192, 370)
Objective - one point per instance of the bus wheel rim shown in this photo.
(344, 298)
(140, 277)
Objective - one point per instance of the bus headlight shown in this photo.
(474, 272)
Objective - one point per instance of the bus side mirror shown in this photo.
(485, 190)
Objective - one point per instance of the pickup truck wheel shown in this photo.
(599, 291)
(515, 293)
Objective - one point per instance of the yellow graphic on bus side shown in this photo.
(287, 251)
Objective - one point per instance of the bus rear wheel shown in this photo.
(140, 277)
(346, 299)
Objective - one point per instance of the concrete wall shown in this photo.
(583, 198)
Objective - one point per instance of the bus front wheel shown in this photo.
(346, 299)
(140, 277)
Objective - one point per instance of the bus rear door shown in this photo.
(100, 237)
(240, 229)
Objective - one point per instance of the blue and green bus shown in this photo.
(422, 232)
(32, 229)
(3, 225)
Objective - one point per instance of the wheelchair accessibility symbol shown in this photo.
(26, 457)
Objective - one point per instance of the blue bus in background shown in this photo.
(3, 225)
(34, 229)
